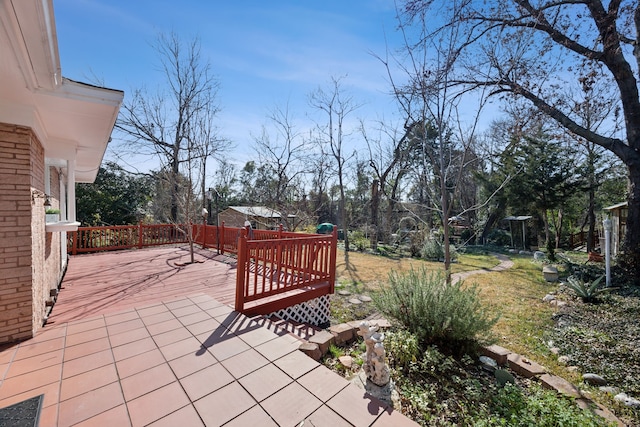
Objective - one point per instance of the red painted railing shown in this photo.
(300, 267)
(276, 268)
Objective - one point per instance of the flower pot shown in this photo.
(52, 218)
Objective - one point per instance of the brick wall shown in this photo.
(27, 272)
(15, 233)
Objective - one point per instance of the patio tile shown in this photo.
(51, 395)
(255, 416)
(296, 364)
(394, 419)
(205, 381)
(256, 336)
(157, 404)
(87, 381)
(324, 416)
(186, 416)
(180, 348)
(277, 348)
(178, 303)
(199, 316)
(129, 337)
(86, 349)
(49, 332)
(208, 306)
(201, 298)
(117, 416)
(171, 337)
(133, 349)
(190, 363)
(89, 404)
(291, 405)
(224, 349)
(7, 353)
(226, 316)
(82, 337)
(143, 382)
(126, 326)
(207, 326)
(120, 317)
(358, 407)
(139, 363)
(323, 383)
(40, 361)
(166, 326)
(85, 325)
(191, 308)
(86, 363)
(224, 404)
(49, 417)
(30, 381)
(244, 363)
(265, 381)
(30, 350)
(158, 318)
(152, 309)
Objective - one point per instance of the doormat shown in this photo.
(22, 414)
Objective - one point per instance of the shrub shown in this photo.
(402, 348)
(499, 238)
(587, 291)
(449, 315)
(432, 250)
(359, 240)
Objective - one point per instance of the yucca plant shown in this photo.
(587, 291)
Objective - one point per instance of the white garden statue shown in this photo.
(375, 366)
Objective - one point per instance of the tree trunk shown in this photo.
(375, 203)
(591, 219)
(630, 259)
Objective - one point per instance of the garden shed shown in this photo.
(517, 223)
(260, 217)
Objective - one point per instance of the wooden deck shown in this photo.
(109, 282)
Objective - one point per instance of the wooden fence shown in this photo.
(276, 268)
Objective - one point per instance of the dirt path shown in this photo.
(505, 264)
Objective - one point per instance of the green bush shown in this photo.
(449, 315)
(432, 250)
(359, 240)
(402, 348)
(587, 291)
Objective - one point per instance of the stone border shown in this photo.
(530, 369)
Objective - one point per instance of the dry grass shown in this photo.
(371, 271)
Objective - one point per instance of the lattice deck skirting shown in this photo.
(314, 312)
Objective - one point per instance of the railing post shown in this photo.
(240, 269)
(74, 244)
(140, 234)
(332, 259)
(221, 240)
(280, 231)
(204, 233)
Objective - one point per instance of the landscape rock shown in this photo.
(549, 298)
(504, 377)
(563, 360)
(312, 350)
(609, 389)
(343, 333)
(627, 400)
(554, 350)
(593, 379)
(324, 339)
(365, 298)
(344, 292)
(539, 255)
(346, 361)
(550, 273)
(355, 301)
(488, 363)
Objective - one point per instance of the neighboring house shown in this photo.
(53, 134)
(260, 217)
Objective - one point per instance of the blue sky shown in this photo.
(265, 53)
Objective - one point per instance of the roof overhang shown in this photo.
(72, 120)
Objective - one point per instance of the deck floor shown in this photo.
(138, 338)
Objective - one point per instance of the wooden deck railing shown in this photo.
(300, 267)
(276, 268)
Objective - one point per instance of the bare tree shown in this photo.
(530, 49)
(337, 105)
(166, 124)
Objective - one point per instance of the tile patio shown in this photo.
(137, 338)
